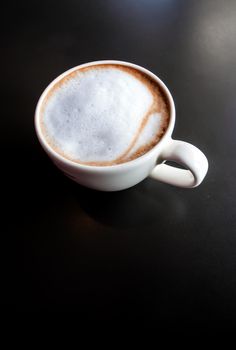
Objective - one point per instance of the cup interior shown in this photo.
(48, 91)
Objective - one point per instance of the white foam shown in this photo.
(95, 115)
(148, 134)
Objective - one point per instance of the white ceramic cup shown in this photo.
(124, 175)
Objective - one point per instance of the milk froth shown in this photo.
(104, 115)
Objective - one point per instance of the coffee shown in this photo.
(104, 115)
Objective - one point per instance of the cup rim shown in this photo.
(120, 166)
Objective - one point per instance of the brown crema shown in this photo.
(159, 105)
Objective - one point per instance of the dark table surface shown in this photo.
(152, 253)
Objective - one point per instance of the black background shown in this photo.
(152, 253)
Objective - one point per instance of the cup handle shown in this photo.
(186, 155)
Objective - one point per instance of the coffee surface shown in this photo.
(104, 115)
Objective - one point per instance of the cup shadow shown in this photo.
(144, 205)
(148, 204)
